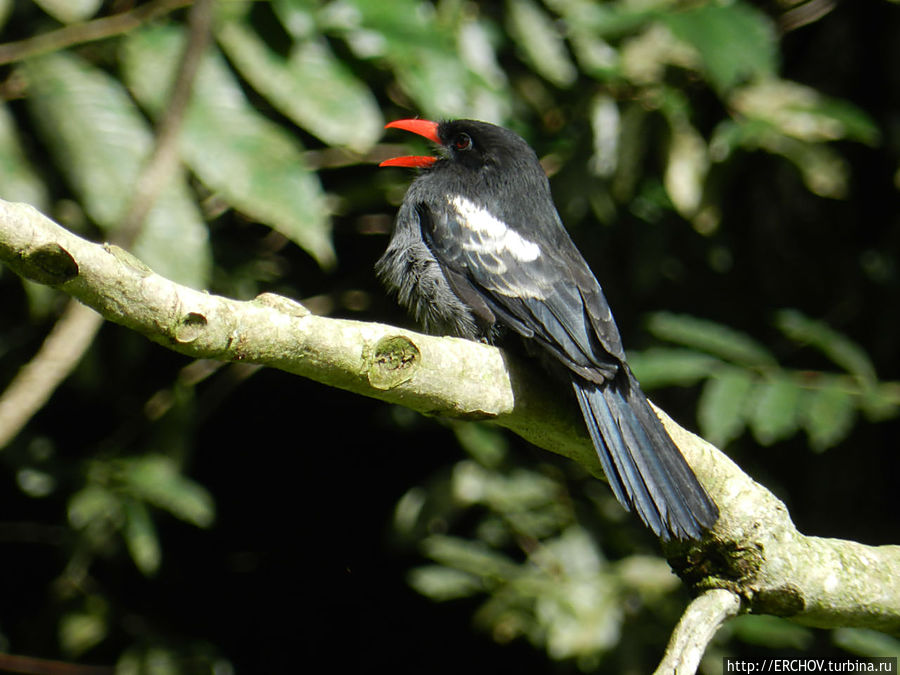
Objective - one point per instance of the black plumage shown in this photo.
(479, 249)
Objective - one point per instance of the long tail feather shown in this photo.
(644, 467)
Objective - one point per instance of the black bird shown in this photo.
(478, 250)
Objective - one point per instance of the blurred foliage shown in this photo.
(744, 388)
(656, 121)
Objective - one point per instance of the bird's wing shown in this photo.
(540, 290)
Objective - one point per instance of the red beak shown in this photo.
(423, 128)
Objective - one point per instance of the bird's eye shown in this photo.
(462, 142)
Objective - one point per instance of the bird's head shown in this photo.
(467, 144)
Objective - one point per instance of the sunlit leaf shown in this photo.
(444, 583)
(469, 556)
(606, 130)
(157, 480)
(775, 412)
(823, 170)
(34, 482)
(310, 86)
(421, 52)
(101, 141)
(665, 367)
(713, 338)
(81, 630)
(5, 9)
(647, 574)
(538, 37)
(803, 112)
(297, 17)
(70, 11)
(401, 29)
(686, 167)
(881, 401)
(866, 642)
(91, 504)
(828, 414)
(735, 40)
(722, 409)
(487, 444)
(582, 614)
(478, 52)
(855, 124)
(255, 165)
(18, 180)
(140, 537)
(607, 20)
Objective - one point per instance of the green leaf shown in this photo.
(607, 20)
(81, 630)
(311, 86)
(722, 409)
(665, 367)
(157, 480)
(802, 112)
(297, 17)
(70, 11)
(18, 180)
(539, 40)
(470, 556)
(140, 537)
(711, 337)
(866, 642)
(686, 167)
(775, 410)
(421, 51)
(444, 583)
(92, 504)
(5, 9)
(100, 141)
(256, 165)
(486, 443)
(840, 349)
(771, 632)
(880, 402)
(855, 124)
(736, 41)
(828, 413)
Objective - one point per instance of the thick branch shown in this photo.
(755, 552)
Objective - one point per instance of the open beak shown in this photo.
(424, 128)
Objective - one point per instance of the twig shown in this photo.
(805, 13)
(90, 31)
(29, 665)
(699, 624)
(165, 157)
(77, 326)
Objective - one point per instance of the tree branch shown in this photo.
(698, 625)
(754, 552)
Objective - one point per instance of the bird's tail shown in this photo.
(644, 467)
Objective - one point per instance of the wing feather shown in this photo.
(538, 290)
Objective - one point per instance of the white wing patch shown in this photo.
(492, 236)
